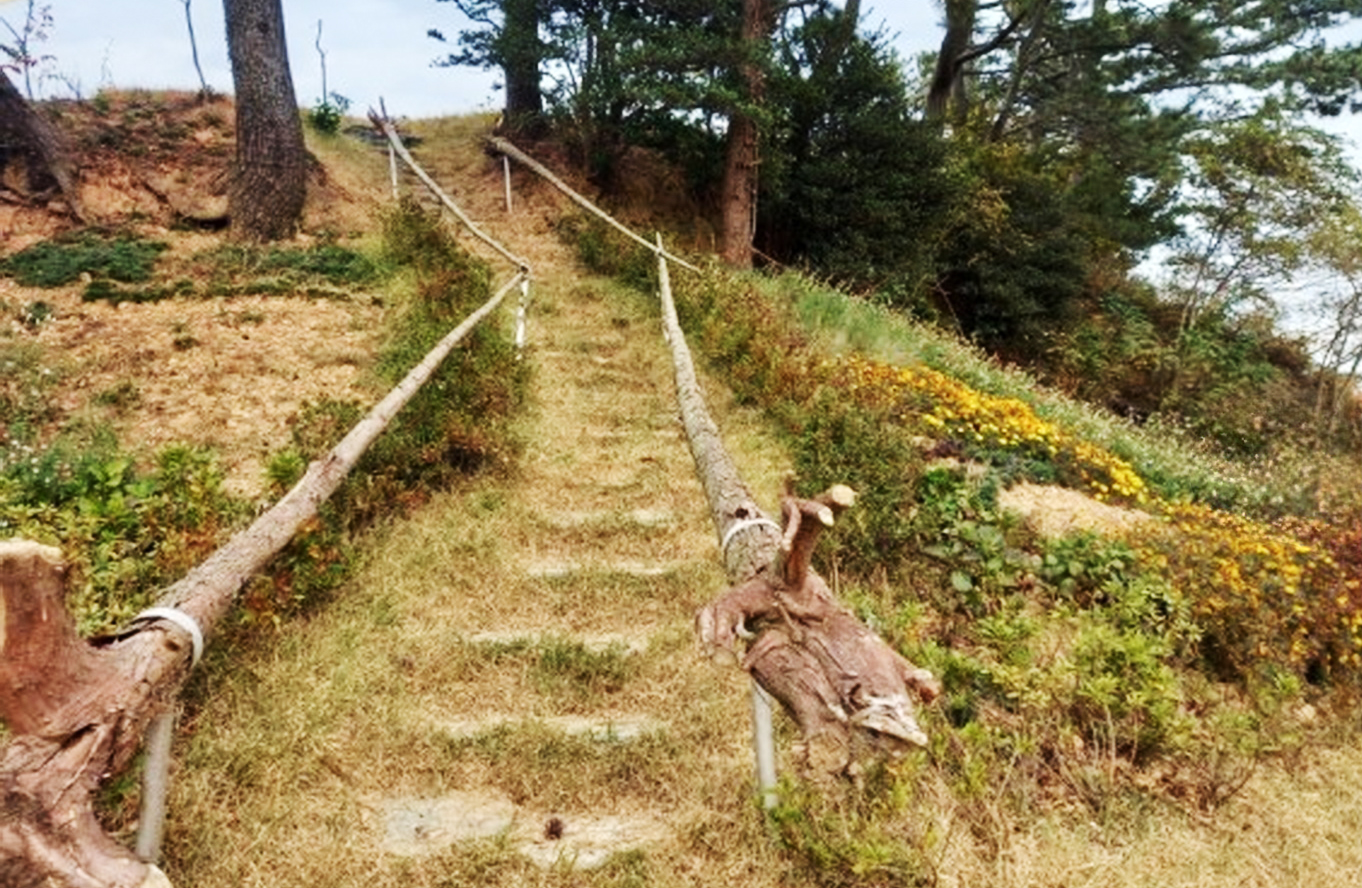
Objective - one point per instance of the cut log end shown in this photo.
(18, 548)
(841, 496)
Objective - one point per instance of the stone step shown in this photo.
(635, 642)
(614, 728)
(560, 568)
(608, 518)
(414, 826)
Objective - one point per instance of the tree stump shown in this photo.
(837, 679)
(77, 712)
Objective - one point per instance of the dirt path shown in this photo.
(511, 681)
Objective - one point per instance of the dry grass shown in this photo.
(446, 674)
(477, 633)
(224, 374)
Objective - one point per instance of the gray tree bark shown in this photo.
(269, 180)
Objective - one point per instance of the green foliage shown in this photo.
(64, 259)
(1013, 254)
(114, 294)
(328, 114)
(124, 533)
(837, 443)
(235, 269)
(460, 420)
(603, 251)
(852, 185)
(861, 840)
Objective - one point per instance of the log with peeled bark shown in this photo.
(847, 690)
(77, 709)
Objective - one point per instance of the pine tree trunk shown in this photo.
(738, 195)
(269, 182)
(28, 139)
(522, 55)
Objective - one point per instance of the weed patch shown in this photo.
(124, 534)
(63, 260)
(459, 423)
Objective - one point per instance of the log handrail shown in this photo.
(828, 670)
(506, 148)
(395, 142)
(79, 710)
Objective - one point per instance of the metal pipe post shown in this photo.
(764, 744)
(155, 783)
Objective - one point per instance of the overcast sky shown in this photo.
(374, 48)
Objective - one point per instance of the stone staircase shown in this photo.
(614, 553)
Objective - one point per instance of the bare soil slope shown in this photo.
(225, 373)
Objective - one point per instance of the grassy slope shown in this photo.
(296, 748)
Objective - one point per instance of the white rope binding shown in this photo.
(181, 619)
(741, 525)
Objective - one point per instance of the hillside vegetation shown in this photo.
(1150, 642)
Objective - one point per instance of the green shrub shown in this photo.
(260, 269)
(327, 115)
(62, 260)
(125, 534)
(868, 839)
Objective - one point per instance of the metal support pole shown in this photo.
(155, 783)
(764, 744)
(520, 313)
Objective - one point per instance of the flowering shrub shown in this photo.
(948, 406)
(1262, 595)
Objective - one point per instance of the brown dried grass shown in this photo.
(292, 747)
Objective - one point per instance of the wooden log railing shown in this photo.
(384, 125)
(78, 710)
(837, 679)
(506, 149)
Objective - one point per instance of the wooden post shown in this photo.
(506, 175)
